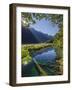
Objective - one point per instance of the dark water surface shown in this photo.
(48, 55)
(43, 57)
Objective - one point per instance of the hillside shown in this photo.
(30, 35)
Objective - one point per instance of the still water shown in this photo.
(44, 56)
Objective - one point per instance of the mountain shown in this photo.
(30, 35)
(41, 37)
(27, 36)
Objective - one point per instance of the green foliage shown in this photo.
(24, 53)
(59, 66)
(25, 56)
(58, 40)
(57, 19)
(58, 43)
(32, 48)
(31, 18)
(26, 59)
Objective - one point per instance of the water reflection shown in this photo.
(49, 55)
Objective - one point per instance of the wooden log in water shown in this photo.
(42, 72)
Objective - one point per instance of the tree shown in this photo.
(31, 18)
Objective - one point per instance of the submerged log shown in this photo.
(42, 72)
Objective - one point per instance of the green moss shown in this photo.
(25, 55)
(24, 52)
(26, 59)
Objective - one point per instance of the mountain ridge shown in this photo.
(30, 35)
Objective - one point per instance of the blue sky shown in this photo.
(45, 26)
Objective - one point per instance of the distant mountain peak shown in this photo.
(30, 35)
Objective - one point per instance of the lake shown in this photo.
(46, 55)
(45, 58)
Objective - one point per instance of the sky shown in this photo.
(45, 26)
